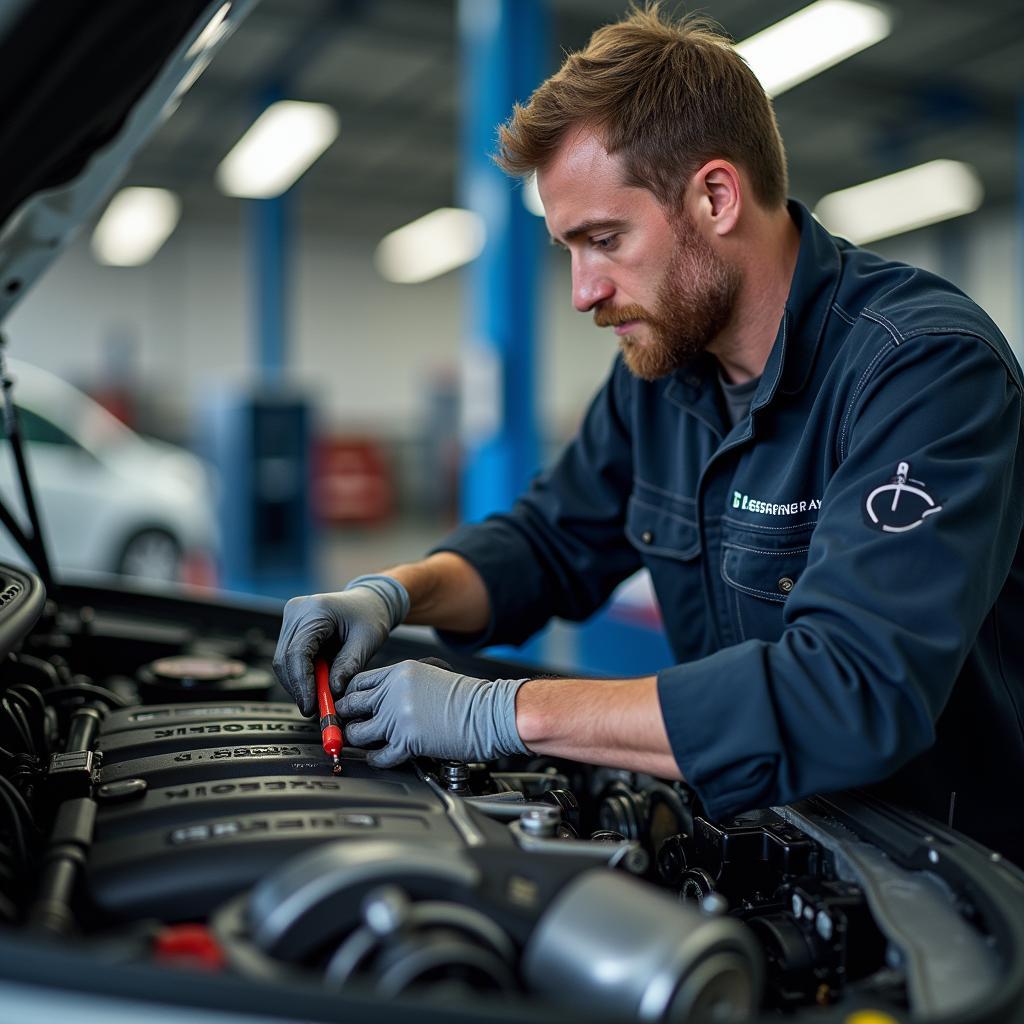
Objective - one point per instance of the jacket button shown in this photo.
(785, 584)
(647, 537)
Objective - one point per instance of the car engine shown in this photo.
(164, 806)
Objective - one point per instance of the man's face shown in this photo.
(649, 275)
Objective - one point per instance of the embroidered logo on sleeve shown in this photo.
(899, 505)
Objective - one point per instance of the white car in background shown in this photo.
(110, 500)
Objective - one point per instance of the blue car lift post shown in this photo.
(259, 437)
(503, 50)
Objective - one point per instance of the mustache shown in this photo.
(609, 316)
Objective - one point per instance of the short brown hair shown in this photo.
(669, 95)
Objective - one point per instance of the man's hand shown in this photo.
(361, 617)
(423, 710)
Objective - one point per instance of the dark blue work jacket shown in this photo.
(839, 574)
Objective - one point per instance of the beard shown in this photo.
(694, 302)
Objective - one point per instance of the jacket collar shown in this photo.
(811, 293)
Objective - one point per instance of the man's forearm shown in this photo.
(446, 592)
(613, 722)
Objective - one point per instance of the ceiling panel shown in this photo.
(947, 82)
(367, 67)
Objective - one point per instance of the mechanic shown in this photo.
(815, 452)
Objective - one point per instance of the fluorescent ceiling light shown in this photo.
(136, 222)
(277, 149)
(531, 196)
(430, 246)
(813, 39)
(903, 201)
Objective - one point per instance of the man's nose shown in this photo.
(589, 289)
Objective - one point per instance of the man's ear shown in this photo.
(717, 197)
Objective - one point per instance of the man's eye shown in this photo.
(605, 243)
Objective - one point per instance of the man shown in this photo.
(814, 451)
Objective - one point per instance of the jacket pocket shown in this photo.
(760, 580)
(659, 532)
(669, 543)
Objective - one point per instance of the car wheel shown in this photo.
(154, 554)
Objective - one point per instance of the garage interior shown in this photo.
(311, 329)
(284, 293)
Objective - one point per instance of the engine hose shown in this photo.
(39, 666)
(86, 690)
(10, 798)
(85, 723)
(35, 711)
(69, 841)
(64, 858)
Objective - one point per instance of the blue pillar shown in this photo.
(269, 249)
(503, 52)
(269, 222)
(259, 436)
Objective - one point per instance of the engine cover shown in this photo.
(197, 802)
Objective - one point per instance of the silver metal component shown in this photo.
(631, 858)
(455, 776)
(947, 964)
(627, 856)
(614, 946)
(933, 856)
(797, 904)
(508, 796)
(542, 822)
(456, 810)
(714, 904)
(385, 910)
(502, 810)
(823, 925)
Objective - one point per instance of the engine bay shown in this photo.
(166, 808)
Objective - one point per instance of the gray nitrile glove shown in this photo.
(361, 616)
(425, 711)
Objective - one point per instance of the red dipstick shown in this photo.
(329, 727)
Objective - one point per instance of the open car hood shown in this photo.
(82, 90)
